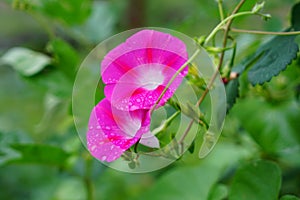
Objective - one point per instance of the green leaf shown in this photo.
(66, 58)
(39, 154)
(295, 18)
(275, 128)
(101, 14)
(7, 154)
(56, 118)
(25, 61)
(232, 92)
(194, 78)
(52, 81)
(232, 88)
(68, 12)
(195, 182)
(289, 197)
(219, 192)
(258, 180)
(276, 55)
(191, 148)
(20, 104)
(66, 189)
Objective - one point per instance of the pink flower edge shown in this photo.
(111, 131)
(138, 70)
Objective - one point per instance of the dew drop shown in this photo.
(103, 158)
(134, 107)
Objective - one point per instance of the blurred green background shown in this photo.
(41, 155)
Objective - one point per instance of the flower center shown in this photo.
(151, 76)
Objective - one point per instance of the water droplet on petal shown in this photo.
(134, 107)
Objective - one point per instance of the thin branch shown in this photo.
(221, 11)
(227, 27)
(173, 78)
(264, 32)
(225, 22)
(87, 180)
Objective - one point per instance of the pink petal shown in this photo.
(113, 70)
(141, 87)
(137, 71)
(111, 131)
(148, 139)
(147, 41)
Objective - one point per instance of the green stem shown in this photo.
(210, 36)
(165, 123)
(233, 55)
(222, 23)
(229, 22)
(187, 130)
(43, 22)
(87, 179)
(264, 32)
(173, 78)
(221, 12)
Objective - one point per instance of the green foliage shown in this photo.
(219, 192)
(295, 18)
(68, 12)
(276, 127)
(273, 57)
(289, 197)
(42, 157)
(39, 154)
(258, 180)
(176, 185)
(232, 92)
(267, 61)
(101, 14)
(25, 61)
(66, 58)
(197, 181)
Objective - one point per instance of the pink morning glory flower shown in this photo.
(112, 131)
(137, 71)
